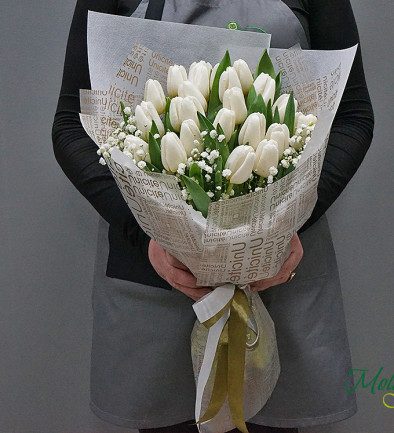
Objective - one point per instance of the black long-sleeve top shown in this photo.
(328, 25)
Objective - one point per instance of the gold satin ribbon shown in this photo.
(230, 366)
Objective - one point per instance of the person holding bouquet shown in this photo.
(141, 373)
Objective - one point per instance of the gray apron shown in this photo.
(141, 368)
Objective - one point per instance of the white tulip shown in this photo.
(241, 163)
(226, 118)
(138, 147)
(302, 119)
(244, 75)
(281, 103)
(280, 133)
(266, 157)
(187, 88)
(189, 107)
(212, 76)
(265, 85)
(176, 75)
(199, 75)
(175, 113)
(233, 99)
(253, 130)
(144, 114)
(190, 137)
(172, 152)
(154, 93)
(228, 79)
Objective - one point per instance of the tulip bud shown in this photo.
(253, 130)
(240, 162)
(233, 99)
(301, 119)
(189, 107)
(199, 75)
(244, 75)
(212, 76)
(266, 157)
(138, 147)
(228, 80)
(190, 137)
(154, 93)
(281, 103)
(175, 113)
(187, 88)
(176, 75)
(226, 118)
(265, 85)
(280, 133)
(144, 114)
(172, 152)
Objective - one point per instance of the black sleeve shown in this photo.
(332, 26)
(73, 148)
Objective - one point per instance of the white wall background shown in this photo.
(48, 235)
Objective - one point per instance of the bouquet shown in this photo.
(221, 172)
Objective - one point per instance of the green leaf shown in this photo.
(123, 114)
(278, 85)
(290, 114)
(211, 116)
(252, 95)
(265, 65)
(214, 100)
(233, 142)
(152, 168)
(218, 177)
(222, 146)
(258, 106)
(268, 116)
(155, 153)
(154, 129)
(276, 118)
(167, 122)
(195, 171)
(198, 195)
(205, 124)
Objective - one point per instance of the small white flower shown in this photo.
(127, 111)
(219, 188)
(204, 154)
(184, 194)
(225, 196)
(102, 161)
(258, 188)
(226, 173)
(232, 192)
(121, 124)
(213, 134)
(203, 133)
(285, 163)
(156, 136)
(307, 139)
(273, 171)
(122, 136)
(138, 133)
(106, 154)
(99, 151)
(181, 168)
(287, 152)
(207, 177)
(140, 153)
(221, 138)
(142, 165)
(208, 169)
(270, 179)
(132, 128)
(210, 194)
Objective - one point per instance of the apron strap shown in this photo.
(155, 10)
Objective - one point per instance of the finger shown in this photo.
(173, 261)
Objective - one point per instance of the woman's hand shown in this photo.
(287, 268)
(175, 272)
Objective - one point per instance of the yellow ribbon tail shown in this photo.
(237, 337)
(219, 391)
